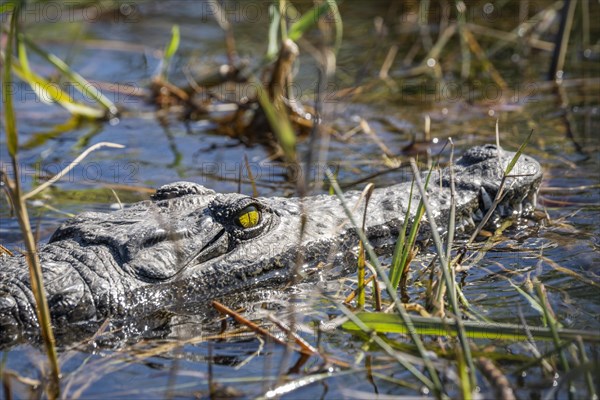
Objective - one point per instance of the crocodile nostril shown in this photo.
(180, 189)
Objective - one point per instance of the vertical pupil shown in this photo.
(248, 217)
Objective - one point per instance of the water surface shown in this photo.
(123, 48)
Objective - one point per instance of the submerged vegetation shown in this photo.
(405, 324)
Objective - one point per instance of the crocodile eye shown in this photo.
(248, 217)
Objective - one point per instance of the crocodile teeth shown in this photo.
(462, 223)
(511, 210)
(502, 210)
(518, 209)
(478, 215)
(534, 199)
(469, 221)
(487, 200)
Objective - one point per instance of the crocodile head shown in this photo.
(191, 244)
(478, 175)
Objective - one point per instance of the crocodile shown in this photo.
(189, 244)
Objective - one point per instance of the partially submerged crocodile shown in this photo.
(189, 244)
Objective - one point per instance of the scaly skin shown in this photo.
(184, 247)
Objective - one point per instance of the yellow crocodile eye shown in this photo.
(249, 217)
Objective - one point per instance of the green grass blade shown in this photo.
(447, 275)
(51, 93)
(356, 321)
(388, 285)
(452, 217)
(339, 27)
(23, 70)
(414, 229)
(273, 46)
(12, 141)
(279, 122)
(173, 44)
(170, 50)
(553, 324)
(532, 301)
(46, 90)
(82, 85)
(399, 260)
(59, 96)
(392, 323)
(396, 268)
(7, 7)
(515, 158)
(360, 279)
(13, 189)
(307, 21)
(360, 298)
(22, 52)
(589, 380)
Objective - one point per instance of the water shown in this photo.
(123, 48)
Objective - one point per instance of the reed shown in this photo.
(16, 195)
